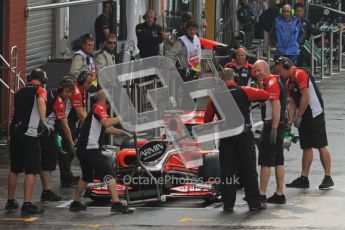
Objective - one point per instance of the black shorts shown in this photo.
(312, 132)
(271, 154)
(49, 152)
(94, 164)
(25, 154)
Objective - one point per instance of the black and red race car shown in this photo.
(159, 178)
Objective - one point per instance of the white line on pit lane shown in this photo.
(65, 204)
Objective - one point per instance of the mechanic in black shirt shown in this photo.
(27, 126)
(149, 35)
(103, 24)
(239, 148)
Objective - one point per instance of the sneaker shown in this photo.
(11, 204)
(326, 183)
(228, 207)
(263, 198)
(257, 207)
(30, 209)
(300, 182)
(277, 199)
(76, 206)
(118, 207)
(49, 195)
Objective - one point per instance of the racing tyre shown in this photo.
(211, 167)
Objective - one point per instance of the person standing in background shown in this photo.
(287, 34)
(247, 22)
(149, 35)
(83, 59)
(305, 25)
(103, 24)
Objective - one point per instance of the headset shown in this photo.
(38, 74)
(284, 62)
(82, 77)
(62, 84)
(144, 16)
(292, 12)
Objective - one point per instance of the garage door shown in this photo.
(39, 35)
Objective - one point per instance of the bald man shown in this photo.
(238, 148)
(271, 144)
(242, 67)
(90, 155)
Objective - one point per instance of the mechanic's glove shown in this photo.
(273, 136)
(43, 129)
(71, 149)
(297, 121)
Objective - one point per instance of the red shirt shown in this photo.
(92, 133)
(59, 108)
(33, 120)
(77, 97)
(300, 81)
(244, 73)
(253, 94)
(233, 65)
(41, 92)
(272, 87)
(100, 112)
(300, 78)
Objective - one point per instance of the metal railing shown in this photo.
(13, 84)
(313, 61)
(61, 5)
(322, 64)
(330, 62)
(264, 53)
(341, 31)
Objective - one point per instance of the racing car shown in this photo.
(157, 172)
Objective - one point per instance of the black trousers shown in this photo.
(237, 156)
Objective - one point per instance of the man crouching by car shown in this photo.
(90, 156)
